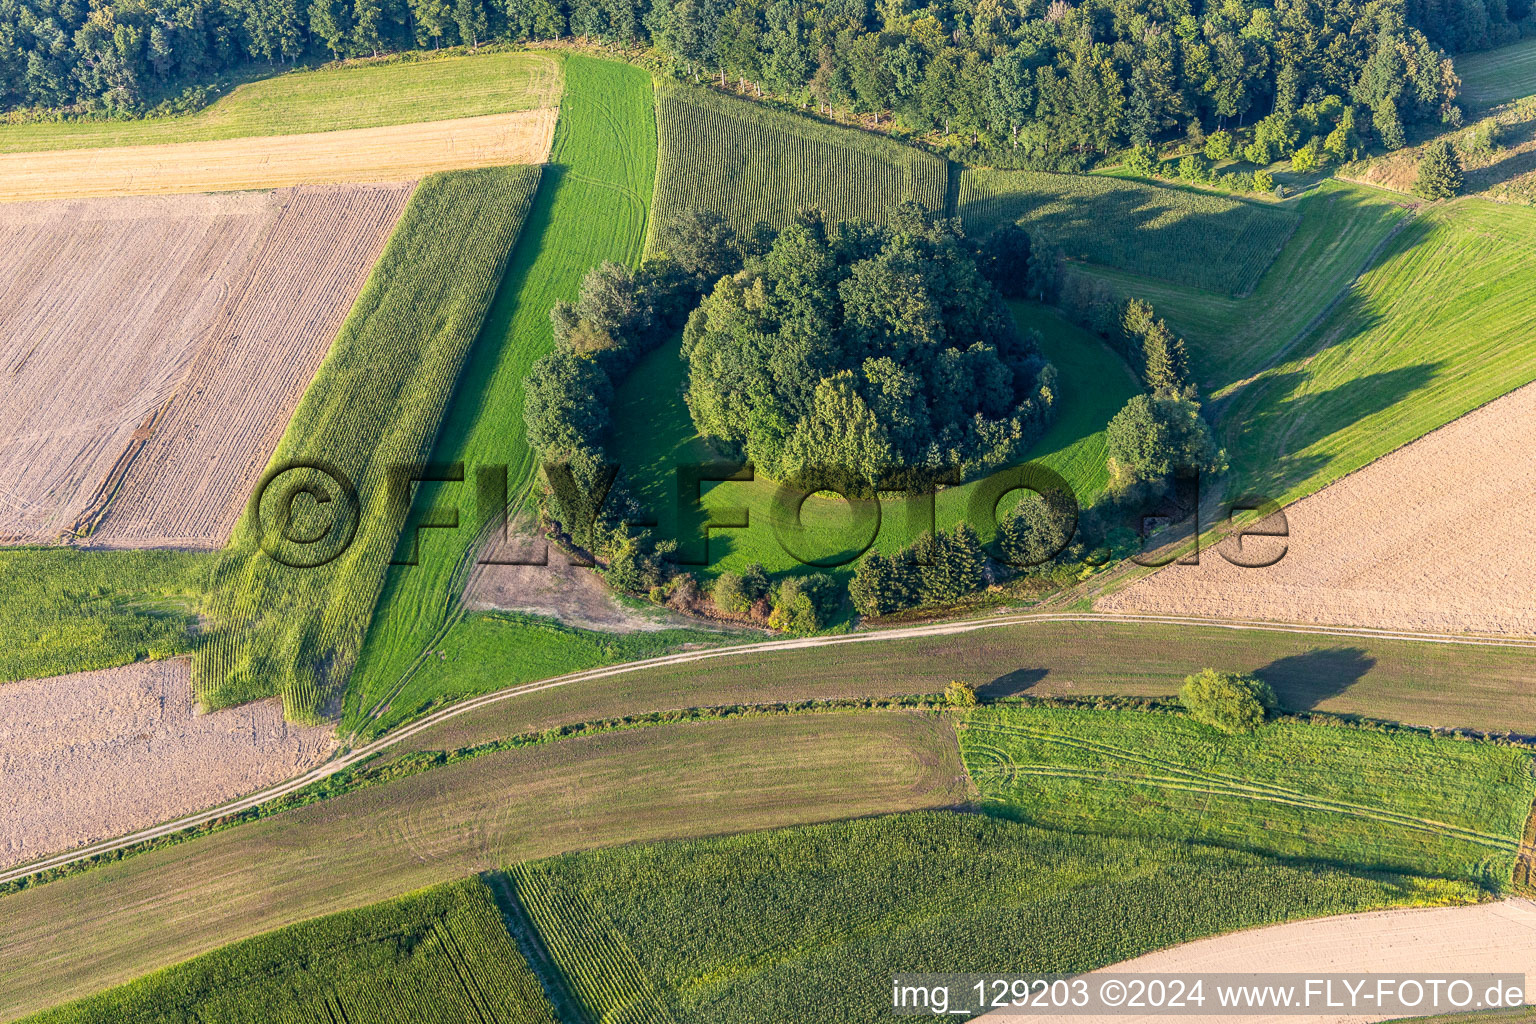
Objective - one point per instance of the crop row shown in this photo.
(286, 625)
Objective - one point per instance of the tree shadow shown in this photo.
(1303, 681)
(1143, 228)
(1012, 684)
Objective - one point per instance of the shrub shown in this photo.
(1229, 701)
(1440, 174)
(1309, 157)
(1142, 162)
(1263, 181)
(736, 593)
(1192, 168)
(960, 695)
(805, 603)
(1219, 146)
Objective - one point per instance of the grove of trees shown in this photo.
(865, 356)
(1042, 81)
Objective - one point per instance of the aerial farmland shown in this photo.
(788, 513)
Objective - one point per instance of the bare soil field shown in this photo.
(98, 754)
(1496, 938)
(386, 154)
(1433, 537)
(153, 349)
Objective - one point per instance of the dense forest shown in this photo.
(1046, 77)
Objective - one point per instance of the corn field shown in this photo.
(751, 163)
(295, 628)
(1190, 238)
(439, 956)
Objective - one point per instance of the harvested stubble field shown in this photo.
(1432, 537)
(203, 318)
(441, 956)
(751, 163)
(98, 754)
(84, 933)
(1198, 239)
(1489, 937)
(1441, 685)
(387, 154)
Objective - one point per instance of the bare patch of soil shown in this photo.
(153, 349)
(1434, 537)
(99, 754)
(571, 594)
(1497, 938)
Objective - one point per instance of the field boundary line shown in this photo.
(348, 758)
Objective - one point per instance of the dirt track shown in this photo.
(1433, 537)
(1490, 938)
(151, 350)
(394, 153)
(98, 753)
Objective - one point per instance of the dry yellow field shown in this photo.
(387, 154)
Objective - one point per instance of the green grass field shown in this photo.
(653, 435)
(811, 923)
(1185, 236)
(592, 206)
(440, 956)
(66, 610)
(1391, 801)
(87, 932)
(751, 163)
(1441, 324)
(492, 651)
(1427, 684)
(374, 406)
(1230, 339)
(353, 95)
(1497, 76)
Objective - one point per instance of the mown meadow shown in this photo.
(355, 95)
(654, 435)
(438, 956)
(1389, 800)
(1198, 239)
(593, 205)
(1498, 76)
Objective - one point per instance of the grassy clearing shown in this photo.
(1432, 685)
(1440, 325)
(592, 205)
(1230, 339)
(355, 95)
(1188, 237)
(653, 435)
(488, 652)
(66, 610)
(1498, 76)
(811, 923)
(751, 163)
(87, 932)
(441, 956)
(374, 406)
(1392, 801)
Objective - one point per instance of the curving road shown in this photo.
(352, 757)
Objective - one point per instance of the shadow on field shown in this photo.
(1303, 681)
(1012, 684)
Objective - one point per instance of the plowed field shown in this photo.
(154, 348)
